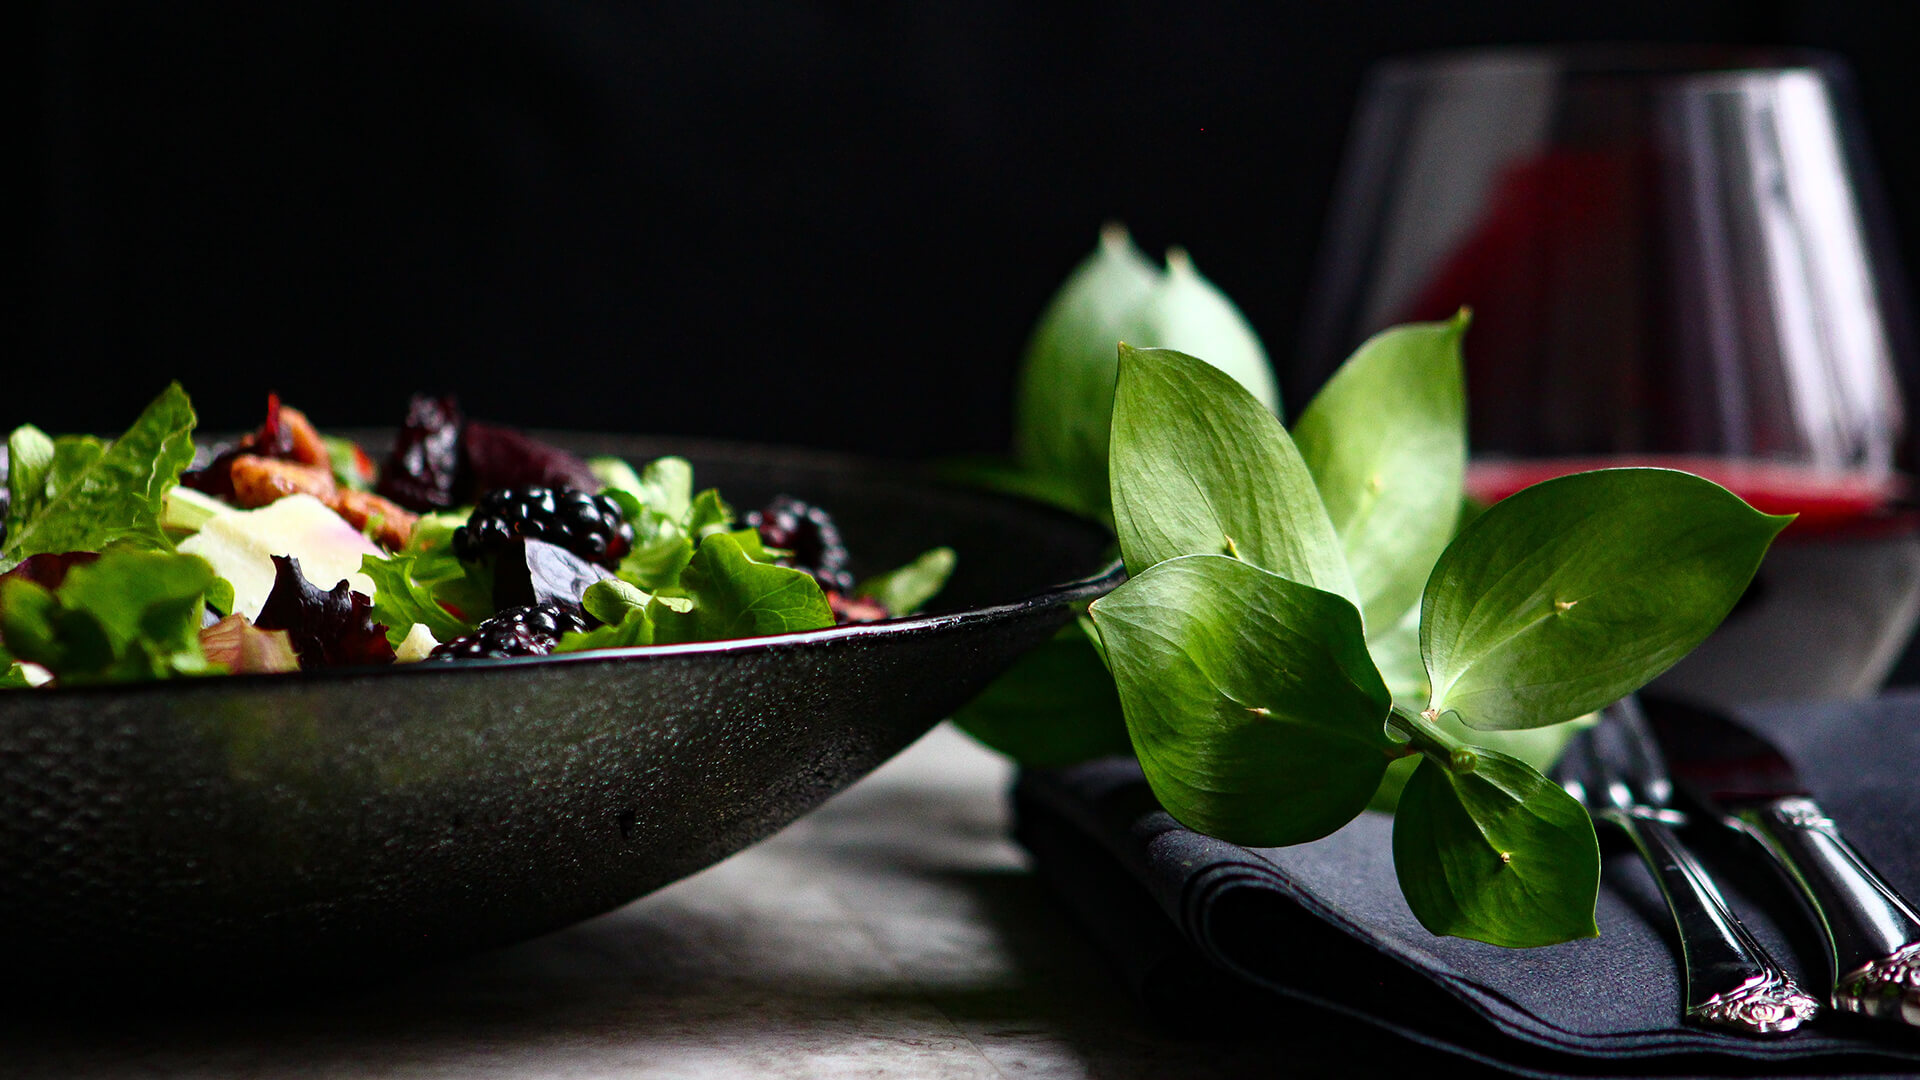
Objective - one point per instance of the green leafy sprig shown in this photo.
(1274, 586)
(1056, 705)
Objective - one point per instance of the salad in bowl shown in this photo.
(152, 557)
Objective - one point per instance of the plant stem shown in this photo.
(1423, 735)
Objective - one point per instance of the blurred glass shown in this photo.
(1674, 257)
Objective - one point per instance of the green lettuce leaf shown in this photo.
(463, 590)
(623, 609)
(84, 495)
(904, 589)
(657, 565)
(709, 514)
(401, 599)
(734, 596)
(131, 615)
(668, 519)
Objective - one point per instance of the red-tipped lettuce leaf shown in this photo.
(244, 649)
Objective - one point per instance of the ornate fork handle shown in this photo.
(1872, 932)
(1731, 980)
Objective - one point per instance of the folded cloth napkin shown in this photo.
(1194, 922)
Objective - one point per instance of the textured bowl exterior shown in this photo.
(321, 823)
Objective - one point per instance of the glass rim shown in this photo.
(1611, 60)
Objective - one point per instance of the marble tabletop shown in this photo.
(894, 932)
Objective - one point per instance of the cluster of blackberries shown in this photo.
(532, 630)
(591, 526)
(808, 532)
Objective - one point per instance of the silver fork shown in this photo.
(1616, 771)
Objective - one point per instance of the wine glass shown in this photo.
(1674, 256)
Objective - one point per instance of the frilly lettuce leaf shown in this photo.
(401, 599)
(425, 583)
(734, 596)
(668, 519)
(79, 494)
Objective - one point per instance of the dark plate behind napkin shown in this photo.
(1325, 922)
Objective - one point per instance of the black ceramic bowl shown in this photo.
(319, 823)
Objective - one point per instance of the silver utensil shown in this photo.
(1872, 932)
(1731, 980)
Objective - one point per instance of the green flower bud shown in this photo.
(1187, 312)
(1064, 407)
(1065, 399)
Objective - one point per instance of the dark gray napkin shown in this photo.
(1325, 922)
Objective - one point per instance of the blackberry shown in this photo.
(808, 532)
(590, 526)
(532, 630)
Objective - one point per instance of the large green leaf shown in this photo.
(1386, 441)
(1251, 701)
(1201, 468)
(91, 498)
(1396, 653)
(1577, 591)
(1498, 854)
(1055, 706)
(734, 597)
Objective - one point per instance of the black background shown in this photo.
(822, 224)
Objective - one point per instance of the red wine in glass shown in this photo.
(1675, 257)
